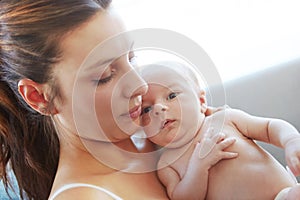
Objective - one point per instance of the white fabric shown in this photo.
(282, 194)
(76, 185)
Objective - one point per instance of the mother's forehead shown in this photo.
(79, 43)
(162, 72)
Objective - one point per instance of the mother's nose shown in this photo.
(134, 84)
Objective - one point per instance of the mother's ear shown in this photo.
(35, 95)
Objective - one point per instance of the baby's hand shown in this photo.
(210, 149)
(212, 110)
(292, 155)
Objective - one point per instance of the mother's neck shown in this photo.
(121, 156)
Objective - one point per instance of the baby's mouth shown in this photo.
(167, 123)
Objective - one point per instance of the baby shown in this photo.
(213, 157)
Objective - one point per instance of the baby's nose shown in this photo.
(159, 109)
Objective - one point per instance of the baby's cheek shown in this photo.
(151, 126)
(145, 120)
(190, 114)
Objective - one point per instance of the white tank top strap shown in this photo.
(76, 185)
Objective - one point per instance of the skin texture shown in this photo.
(202, 164)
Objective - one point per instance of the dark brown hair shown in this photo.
(30, 34)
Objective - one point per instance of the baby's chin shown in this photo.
(162, 140)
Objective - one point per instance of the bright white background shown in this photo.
(240, 36)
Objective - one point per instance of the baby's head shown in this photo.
(174, 106)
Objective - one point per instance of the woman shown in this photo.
(69, 102)
(43, 44)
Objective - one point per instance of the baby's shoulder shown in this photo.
(223, 118)
(226, 113)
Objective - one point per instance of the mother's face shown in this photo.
(101, 90)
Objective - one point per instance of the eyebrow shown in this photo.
(99, 63)
(106, 61)
(170, 86)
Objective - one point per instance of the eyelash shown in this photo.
(132, 60)
(109, 78)
(172, 95)
(106, 79)
(146, 110)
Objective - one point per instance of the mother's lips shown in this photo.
(135, 112)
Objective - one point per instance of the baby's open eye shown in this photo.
(146, 110)
(172, 95)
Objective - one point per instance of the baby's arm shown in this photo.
(193, 184)
(274, 131)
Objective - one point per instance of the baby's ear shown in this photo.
(202, 98)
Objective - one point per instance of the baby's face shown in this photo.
(170, 109)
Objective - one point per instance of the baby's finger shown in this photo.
(226, 143)
(205, 147)
(294, 166)
(229, 155)
(218, 137)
